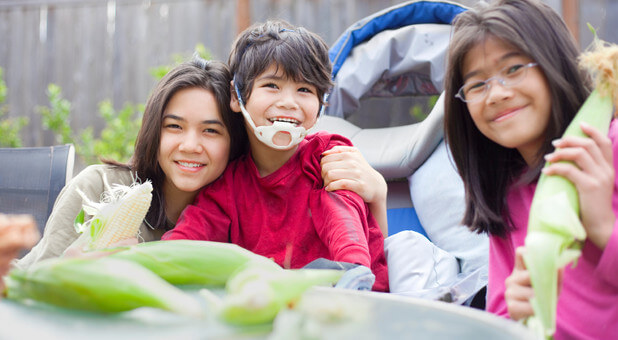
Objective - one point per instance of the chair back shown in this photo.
(32, 177)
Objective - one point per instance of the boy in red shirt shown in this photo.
(272, 201)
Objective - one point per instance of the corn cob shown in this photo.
(555, 231)
(103, 285)
(117, 217)
(187, 262)
(256, 294)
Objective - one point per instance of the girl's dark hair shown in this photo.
(212, 76)
(487, 168)
(303, 56)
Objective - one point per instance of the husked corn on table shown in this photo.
(324, 313)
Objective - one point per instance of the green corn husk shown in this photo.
(255, 295)
(190, 262)
(99, 285)
(555, 232)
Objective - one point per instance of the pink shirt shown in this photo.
(588, 302)
(287, 215)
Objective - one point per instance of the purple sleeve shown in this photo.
(501, 264)
(608, 263)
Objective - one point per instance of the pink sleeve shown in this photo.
(608, 264)
(501, 264)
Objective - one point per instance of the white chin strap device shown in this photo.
(267, 133)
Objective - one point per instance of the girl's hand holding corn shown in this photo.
(519, 290)
(592, 173)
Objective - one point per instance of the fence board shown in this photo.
(77, 50)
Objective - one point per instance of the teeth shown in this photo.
(285, 120)
(190, 165)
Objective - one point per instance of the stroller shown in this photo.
(388, 68)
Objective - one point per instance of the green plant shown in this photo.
(159, 71)
(419, 113)
(56, 117)
(10, 128)
(116, 139)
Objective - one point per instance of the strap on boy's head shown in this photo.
(199, 61)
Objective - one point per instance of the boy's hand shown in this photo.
(592, 172)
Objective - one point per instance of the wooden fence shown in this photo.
(97, 50)
(104, 49)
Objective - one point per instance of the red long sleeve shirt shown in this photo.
(287, 215)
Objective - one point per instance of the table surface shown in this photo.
(324, 313)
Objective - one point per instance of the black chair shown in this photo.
(31, 179)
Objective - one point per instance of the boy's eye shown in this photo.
(305, 89)
(271, 85)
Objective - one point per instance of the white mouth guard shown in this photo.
(266, 133)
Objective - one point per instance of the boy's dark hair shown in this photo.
(301, 54)
(487, 169)
(213, 76)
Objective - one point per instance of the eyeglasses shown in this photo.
(508, 76)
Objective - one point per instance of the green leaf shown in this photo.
(79, 221)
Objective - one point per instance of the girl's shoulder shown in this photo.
(114, 173)
(93, 177)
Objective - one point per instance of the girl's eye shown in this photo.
(271, 85)
(212, 131)
(514, 69)
(172, 126)
(475, 87)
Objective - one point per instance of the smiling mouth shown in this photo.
(507, 114)
(190, 164)
(285, 120)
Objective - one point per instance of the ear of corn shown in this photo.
(190, 262)
(103, 285)
(256, 294)
(555, 231)
(118, 217)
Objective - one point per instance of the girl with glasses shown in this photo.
(512, 87)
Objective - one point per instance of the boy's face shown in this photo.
(276, 97)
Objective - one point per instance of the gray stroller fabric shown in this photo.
(408, 61)
(394, 65)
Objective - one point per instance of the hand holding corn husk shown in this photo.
(116, 218)
(555, 231)
(17, 232)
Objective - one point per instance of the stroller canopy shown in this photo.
(387, 61)
(397, 52)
